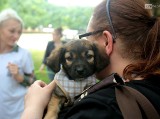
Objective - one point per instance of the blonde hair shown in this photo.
(9, 14)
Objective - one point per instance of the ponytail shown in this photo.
(150, 65)
(158, 35)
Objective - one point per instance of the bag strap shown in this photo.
(129, 100)
(131, 103)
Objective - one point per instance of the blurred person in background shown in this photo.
(56, 42)
(16, 66)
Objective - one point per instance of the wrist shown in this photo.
(32, 113)
(18, 77)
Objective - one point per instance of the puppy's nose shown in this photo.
(80, 70)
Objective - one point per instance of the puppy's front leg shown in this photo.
(53, 108)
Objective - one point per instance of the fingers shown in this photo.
(40, 83)
(11, 64)
(13, 68)
(37, 86)
(51, 86)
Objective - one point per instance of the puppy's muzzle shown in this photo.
(80, 70)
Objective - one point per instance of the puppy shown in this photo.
(74, 64)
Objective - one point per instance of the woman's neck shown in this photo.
(57, 41)
(4, 49)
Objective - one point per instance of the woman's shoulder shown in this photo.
(100, 104)
(150, 88)
(50, 42)
(103, 102)
(23, 52)
(106, 95)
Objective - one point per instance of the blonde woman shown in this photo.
(16, 66)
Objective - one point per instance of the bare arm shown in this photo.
(42, 67)
(37, 99)
(14, 71)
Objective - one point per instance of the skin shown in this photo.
(35, 105)
(10, 32)
(57, 41)
(56, 37)
(117, 64)
(112, 50)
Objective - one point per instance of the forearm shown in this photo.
(42, 66)
(25, 80)
(19, 78)
(37, 99)
(32, 113)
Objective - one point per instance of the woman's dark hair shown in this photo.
(139, 32)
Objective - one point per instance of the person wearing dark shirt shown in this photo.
(56, 42)
(129, 34)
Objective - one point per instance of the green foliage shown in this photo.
(37, 13)
(3, 4)
(156, 9)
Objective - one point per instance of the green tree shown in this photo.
(156, 7)
(37, 13)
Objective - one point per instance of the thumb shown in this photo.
(51, 86)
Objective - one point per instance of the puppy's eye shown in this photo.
(69, 58)
(89, 56)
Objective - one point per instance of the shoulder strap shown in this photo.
(131, 102)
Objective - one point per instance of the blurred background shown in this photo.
(42, 16)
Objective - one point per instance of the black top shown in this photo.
(49, 48)
(102, 104)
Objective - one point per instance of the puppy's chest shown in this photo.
(73, 87)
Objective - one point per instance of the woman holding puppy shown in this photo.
(130, 35)
(16, 66)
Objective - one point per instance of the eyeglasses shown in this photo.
(90, 33)
(110, 23)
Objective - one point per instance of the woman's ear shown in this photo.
(108, 42)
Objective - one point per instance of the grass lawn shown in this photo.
(37, 56)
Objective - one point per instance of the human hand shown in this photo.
(41, 67)
(37, 98)
(13, 69)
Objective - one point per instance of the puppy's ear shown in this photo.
(101, 59)
(55, 59)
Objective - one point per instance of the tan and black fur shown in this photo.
(79, 59)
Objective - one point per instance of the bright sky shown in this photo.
(90, 3)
